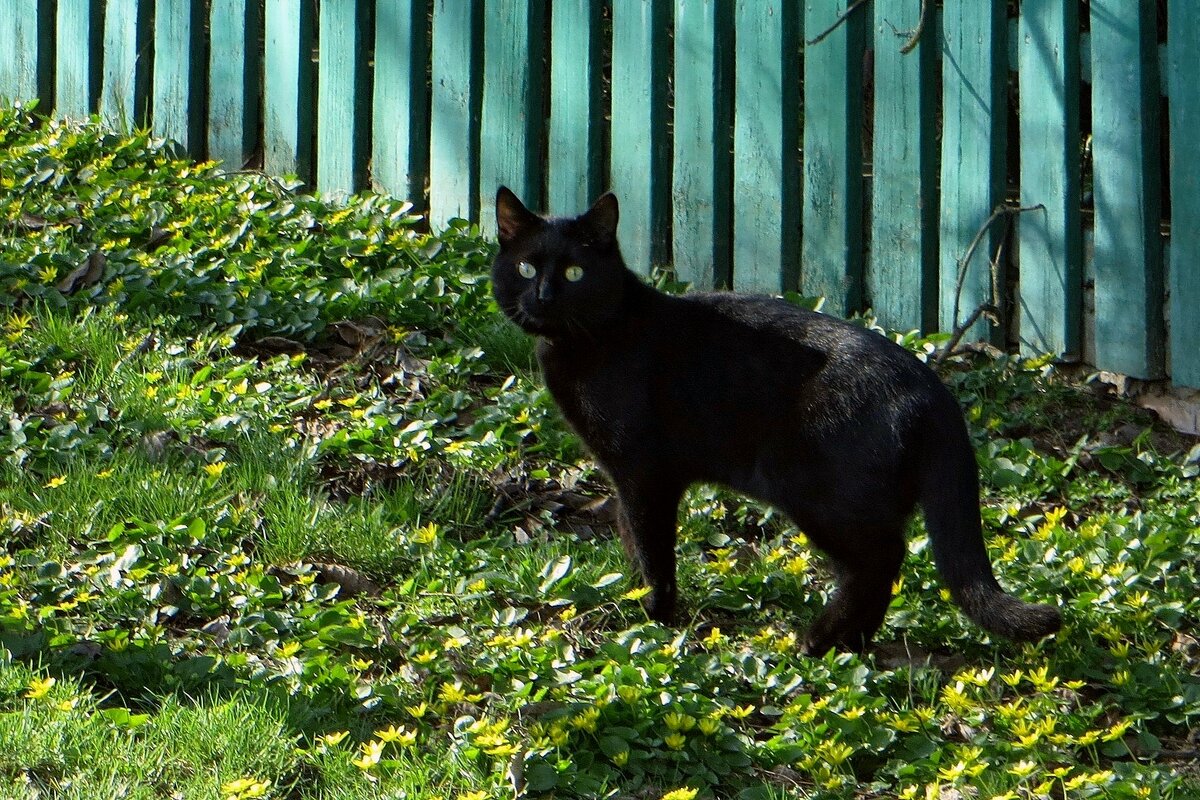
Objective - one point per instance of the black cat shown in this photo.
(840, 428)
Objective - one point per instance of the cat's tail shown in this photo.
(949, 494)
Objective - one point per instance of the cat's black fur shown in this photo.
(840, 428)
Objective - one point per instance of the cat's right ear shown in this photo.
(512, 217)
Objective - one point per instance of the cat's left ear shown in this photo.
(512, 217)
(601, 219)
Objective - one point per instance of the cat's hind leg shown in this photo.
(866, 567)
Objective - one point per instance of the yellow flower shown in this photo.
(452, 692)
(104, 474)
(476, 795)
(427, 534)
(675, 741)
(685, 793)
(679, 722)
(39, 688)
(214, 470)
(68, 705)
(372, 752)
(709, 725)
(714, 639)
(245, 788)
(417, 711)
(636, 594)
(391, 733)
(55, 482)
(335, 738)
(741, 712)
(621, 758)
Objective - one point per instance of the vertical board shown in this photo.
(27, 44)
(454, 116)
(766, 146)
(288, 88)
(400, 130)
(902, 274)
(639, 166)
(178, 73)
(1050, 291)
(125, 85)
(1128, 261)
(342, 116)
(702, 170)
(576, 119)
(511, 124)
(974, 77)
(1183, 68)
(233, 81)
(77, 78)
(833, 102)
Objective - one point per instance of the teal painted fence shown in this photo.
(852, 149)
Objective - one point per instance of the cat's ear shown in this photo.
(512, 217)
(601, 219)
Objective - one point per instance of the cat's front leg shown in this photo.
(647, 526)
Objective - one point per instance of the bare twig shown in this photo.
(911, 44)
(837, 22)
(991, 307)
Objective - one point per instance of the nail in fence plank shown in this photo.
(702, 173)
(510, 142)
(1183, 67)
(639, 166)
(832, 263)
(400, 132)
(974, 77)
(77, 78)
(343, 118)
(454, 116)
(1128, 261)
(576, 118)
(902, 274)
(1050, 293)
(179, 74)
(288, 88)
(125, 85)
(766, 143)
(234, 81)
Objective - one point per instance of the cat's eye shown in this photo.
(526, 270)
(573, 273)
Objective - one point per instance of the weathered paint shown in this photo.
(974, 77)
(343, 115)
(77, 77)
(701, 174)
(832, 265)
(901, 278)
(288, 88)
(400, 130)
(178, 80)
(1050, 291)
(454, 116)
(766, 145)
(1125, 176)
(125, 84)
(575, 146)
(1183, 68)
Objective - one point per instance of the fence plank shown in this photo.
(701, 178)
(1050, 292)
(766, 144)
(639, 165)
(974, 78)
(77, 78)
(902, 274)
(1183, 67)
(576, 138)
(27, 41)
(1129, 276)
(342, 113)
(833, 101)
(288, 88)
(454, 117)
(511, 121)
(178, 80)
(233, 76)
(127, 53)
(400, 132)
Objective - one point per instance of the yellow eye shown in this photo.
(573, 273)
(526, 270)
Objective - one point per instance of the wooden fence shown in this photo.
(751, 146)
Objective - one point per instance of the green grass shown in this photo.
(247, 551)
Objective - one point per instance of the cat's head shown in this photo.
(559, 277)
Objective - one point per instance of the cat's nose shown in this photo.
(545, 293)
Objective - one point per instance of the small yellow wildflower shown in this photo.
(371, 753)
(636, 594)
(214, 470)
(55, 482)
(621, 758)
(334, 739)
(245, 788)
(686, 793)
(39, 688)
(417, 711)
(675, 741)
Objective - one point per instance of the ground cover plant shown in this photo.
(285, 512)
